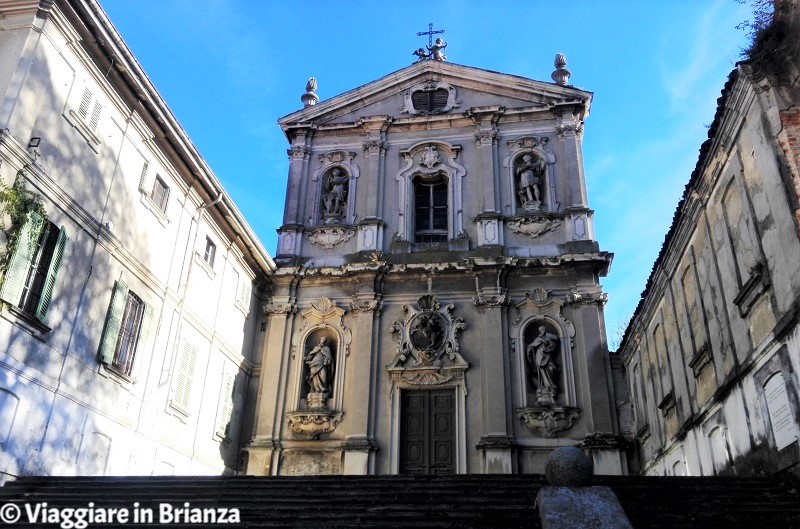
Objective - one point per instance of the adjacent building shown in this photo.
(712, 354)
(131, 297)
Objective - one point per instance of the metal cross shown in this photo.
(430, 33)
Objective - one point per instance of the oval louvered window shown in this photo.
(430, 101)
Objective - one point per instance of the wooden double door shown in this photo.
(427, 432)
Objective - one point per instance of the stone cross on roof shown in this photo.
(435, 50)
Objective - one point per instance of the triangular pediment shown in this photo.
(474, 88)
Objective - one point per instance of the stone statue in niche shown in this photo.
(334, 200)
(320, 373)
(530, 175)
(540, 354)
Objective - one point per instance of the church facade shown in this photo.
(436, 306)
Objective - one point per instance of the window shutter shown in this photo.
(95, 119)
(148, 327)
(116, 309)
(52, 271)
(225, 405)
(439, 99)
(18, 269)
(244, 292)
(86, 100)
(143, 182)
(185, 372)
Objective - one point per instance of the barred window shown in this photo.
(128, 324)
(129, 334)
(430, 211)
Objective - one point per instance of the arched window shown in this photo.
(430, 210)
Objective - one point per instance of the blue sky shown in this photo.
(229, 69)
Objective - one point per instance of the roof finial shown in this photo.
(310, 98)
(561, 74)
(435, 51)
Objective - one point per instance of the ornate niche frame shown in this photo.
(428, 363)
(322, 318)
(536, 147)
(429, 86)
(329, 160)
(428, 160)
(538, 307)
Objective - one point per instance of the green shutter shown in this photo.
(116, 309)
(52, 271)
(18, 269)
(147, 328)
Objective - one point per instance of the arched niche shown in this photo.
(336, 173)
(543, 160)
(430, 161)
(323, 319)
(319, 362)
(539, 309)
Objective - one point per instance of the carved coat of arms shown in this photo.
(428, 333)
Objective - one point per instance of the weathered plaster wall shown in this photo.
(719, 316)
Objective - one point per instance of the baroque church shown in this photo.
(436, 306)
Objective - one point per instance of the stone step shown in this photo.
(475, 501)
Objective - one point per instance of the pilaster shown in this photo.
(359, 446)
(496, 442)
(569, 132)
(299, 156)
(265, 446)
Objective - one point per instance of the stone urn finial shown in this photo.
(561, 74)
(310, 98)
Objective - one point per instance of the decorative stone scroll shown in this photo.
(533, 226)
(279, 308)
(549, 420)
(491, 297)
(329, 237)
(365, 305)
(313, 424)
(596, 296)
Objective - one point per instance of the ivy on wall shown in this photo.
(17, 204)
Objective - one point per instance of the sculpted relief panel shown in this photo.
(427, 343)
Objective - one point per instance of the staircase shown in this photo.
(474, 501)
